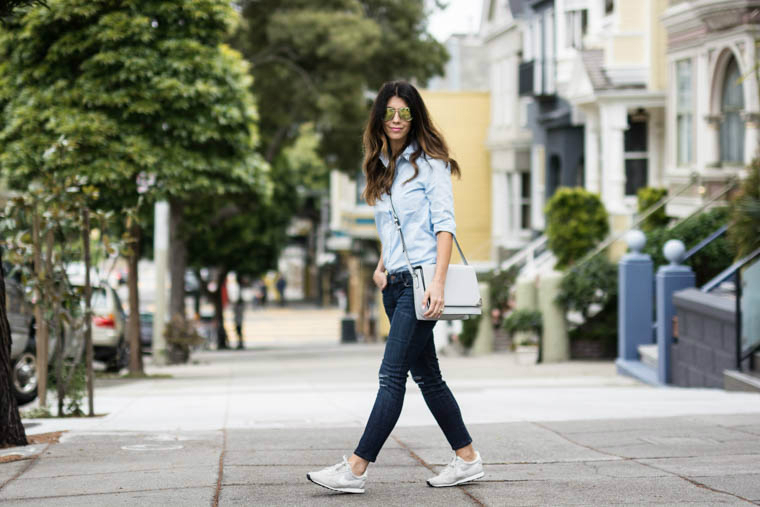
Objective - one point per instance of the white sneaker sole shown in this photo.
(342, 490)
(475, 477)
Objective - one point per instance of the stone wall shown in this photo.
(706, 343)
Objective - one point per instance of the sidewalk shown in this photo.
(243, 427)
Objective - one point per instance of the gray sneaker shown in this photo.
(458, 472)
(339, 478)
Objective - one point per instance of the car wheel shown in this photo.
(119, 360)
(24, 378)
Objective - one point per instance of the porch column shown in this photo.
(614, 123)
(515, 205)
(712, 140)
(592, 153)
(751, 131)
(500, 210)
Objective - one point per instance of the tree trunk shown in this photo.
(11, 429)
(221, 334)
(133, 322)
(41, 334)
(89, 350)
(178, 256)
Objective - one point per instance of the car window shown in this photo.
(99, 301)
(117, 300)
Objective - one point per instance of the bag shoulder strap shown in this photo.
(403, 244)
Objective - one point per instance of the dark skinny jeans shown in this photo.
(409, 347)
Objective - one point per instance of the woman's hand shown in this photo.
(433, 299)
(380, 279)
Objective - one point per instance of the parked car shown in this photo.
(23, 350)
(108, 326)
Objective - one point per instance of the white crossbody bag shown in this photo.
(461, 295)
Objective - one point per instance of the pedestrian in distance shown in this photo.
(280, 284)
(239, 310)
(406, 158)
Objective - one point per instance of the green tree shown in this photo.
(744, 233)
(314, 59)
(575, 222)
(135, 88)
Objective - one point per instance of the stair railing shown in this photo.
(735, 271)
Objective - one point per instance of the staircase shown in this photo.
(744, 380)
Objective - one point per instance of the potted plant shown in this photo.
(180, 336)
(529, 324)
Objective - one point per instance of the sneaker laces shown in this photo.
(453, 463)
(342, 464)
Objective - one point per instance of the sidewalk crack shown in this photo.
(220, 475)
(32, 460)
(422, 462)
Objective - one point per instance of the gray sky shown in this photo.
(461, 16)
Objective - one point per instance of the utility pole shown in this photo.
(160, 258)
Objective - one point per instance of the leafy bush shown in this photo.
(648, 197)
(524, 320)
(594, 282)
(712, 259)
(469, 331)
(500, 284)
(744, 234)
(575, 222)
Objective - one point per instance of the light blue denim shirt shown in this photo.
(425, 207)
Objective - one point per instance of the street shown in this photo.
(243, 427)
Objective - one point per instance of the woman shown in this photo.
(406, 159)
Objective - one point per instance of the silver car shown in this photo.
(108, 326)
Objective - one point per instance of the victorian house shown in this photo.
(713, 104)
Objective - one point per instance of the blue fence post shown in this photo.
(670, 278)
(635, 292)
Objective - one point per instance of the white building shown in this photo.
(713, 104)
(509, 139)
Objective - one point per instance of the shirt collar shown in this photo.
(406, 154)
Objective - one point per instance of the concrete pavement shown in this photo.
(243, 427)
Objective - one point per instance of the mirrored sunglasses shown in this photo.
(403, 112)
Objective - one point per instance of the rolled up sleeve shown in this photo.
(441, 197)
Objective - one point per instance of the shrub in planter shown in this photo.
(180, 336)
(575, 222)
(591, 289)
(524, 321)
(648, 197)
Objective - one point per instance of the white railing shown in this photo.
(528, 255)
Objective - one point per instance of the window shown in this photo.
(732, 126)
(525, 200)
(684, 114)
(555, 175)
(576, 24)
(609, 6)
(636, 156)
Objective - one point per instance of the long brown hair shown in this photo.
(422, 131)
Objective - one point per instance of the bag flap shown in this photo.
(461, 284)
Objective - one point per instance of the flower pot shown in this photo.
(526, 354)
